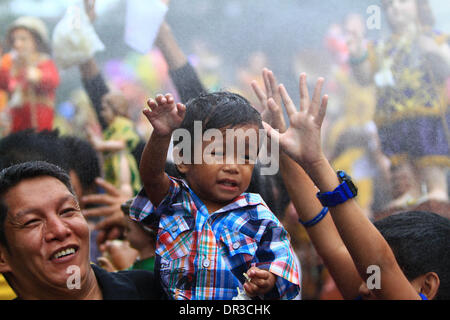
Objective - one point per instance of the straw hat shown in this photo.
(33, 24)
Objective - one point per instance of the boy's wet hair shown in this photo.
(220, 110)
(420, 242)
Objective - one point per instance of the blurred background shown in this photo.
(233, 30)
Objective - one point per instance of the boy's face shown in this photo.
(222, 176)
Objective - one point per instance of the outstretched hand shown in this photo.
(110, 209)
(302, 140)
(270, 100)
(164, 114)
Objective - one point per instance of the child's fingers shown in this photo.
(181, 110)
(152, 108)
(152, 104)
(169, 98)
(148, 114)
(256, 274)
(160, 99)
(251, 289)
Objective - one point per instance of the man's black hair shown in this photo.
(29, 145)
(67, 152)
(421, 244)
(84, 160)
(12, 176)
(219, 110)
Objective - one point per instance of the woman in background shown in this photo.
(29, 76)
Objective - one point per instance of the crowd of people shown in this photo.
(361, 185)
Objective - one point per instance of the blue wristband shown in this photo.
(424, 297)
(315, 220)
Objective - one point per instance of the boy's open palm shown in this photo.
(302, 140)
(164, 114)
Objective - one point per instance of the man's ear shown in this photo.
(4, 264)
(427, 284)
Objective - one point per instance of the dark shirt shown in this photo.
(187, 82)
(128, 285)
(96, 88)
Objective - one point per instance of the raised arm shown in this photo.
(165, 116)
(181, 71)
(365, 244)
(91, 76)
(302, 192)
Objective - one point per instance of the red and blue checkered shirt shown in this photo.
(204, 256)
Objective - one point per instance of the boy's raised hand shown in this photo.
(270, 100)
(164, 114)
(302, 140)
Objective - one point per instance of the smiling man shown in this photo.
(44, 237)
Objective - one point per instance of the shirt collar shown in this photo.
(242, 201)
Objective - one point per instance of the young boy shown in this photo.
(210, 232)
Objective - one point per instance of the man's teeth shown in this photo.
(64, 253)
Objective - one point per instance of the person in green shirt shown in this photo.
(144, 241)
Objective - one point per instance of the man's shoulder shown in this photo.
(130, 284)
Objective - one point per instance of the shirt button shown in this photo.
(174, 228)
(236, 245)
(206, 263)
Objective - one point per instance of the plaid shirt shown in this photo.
(204, 256)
